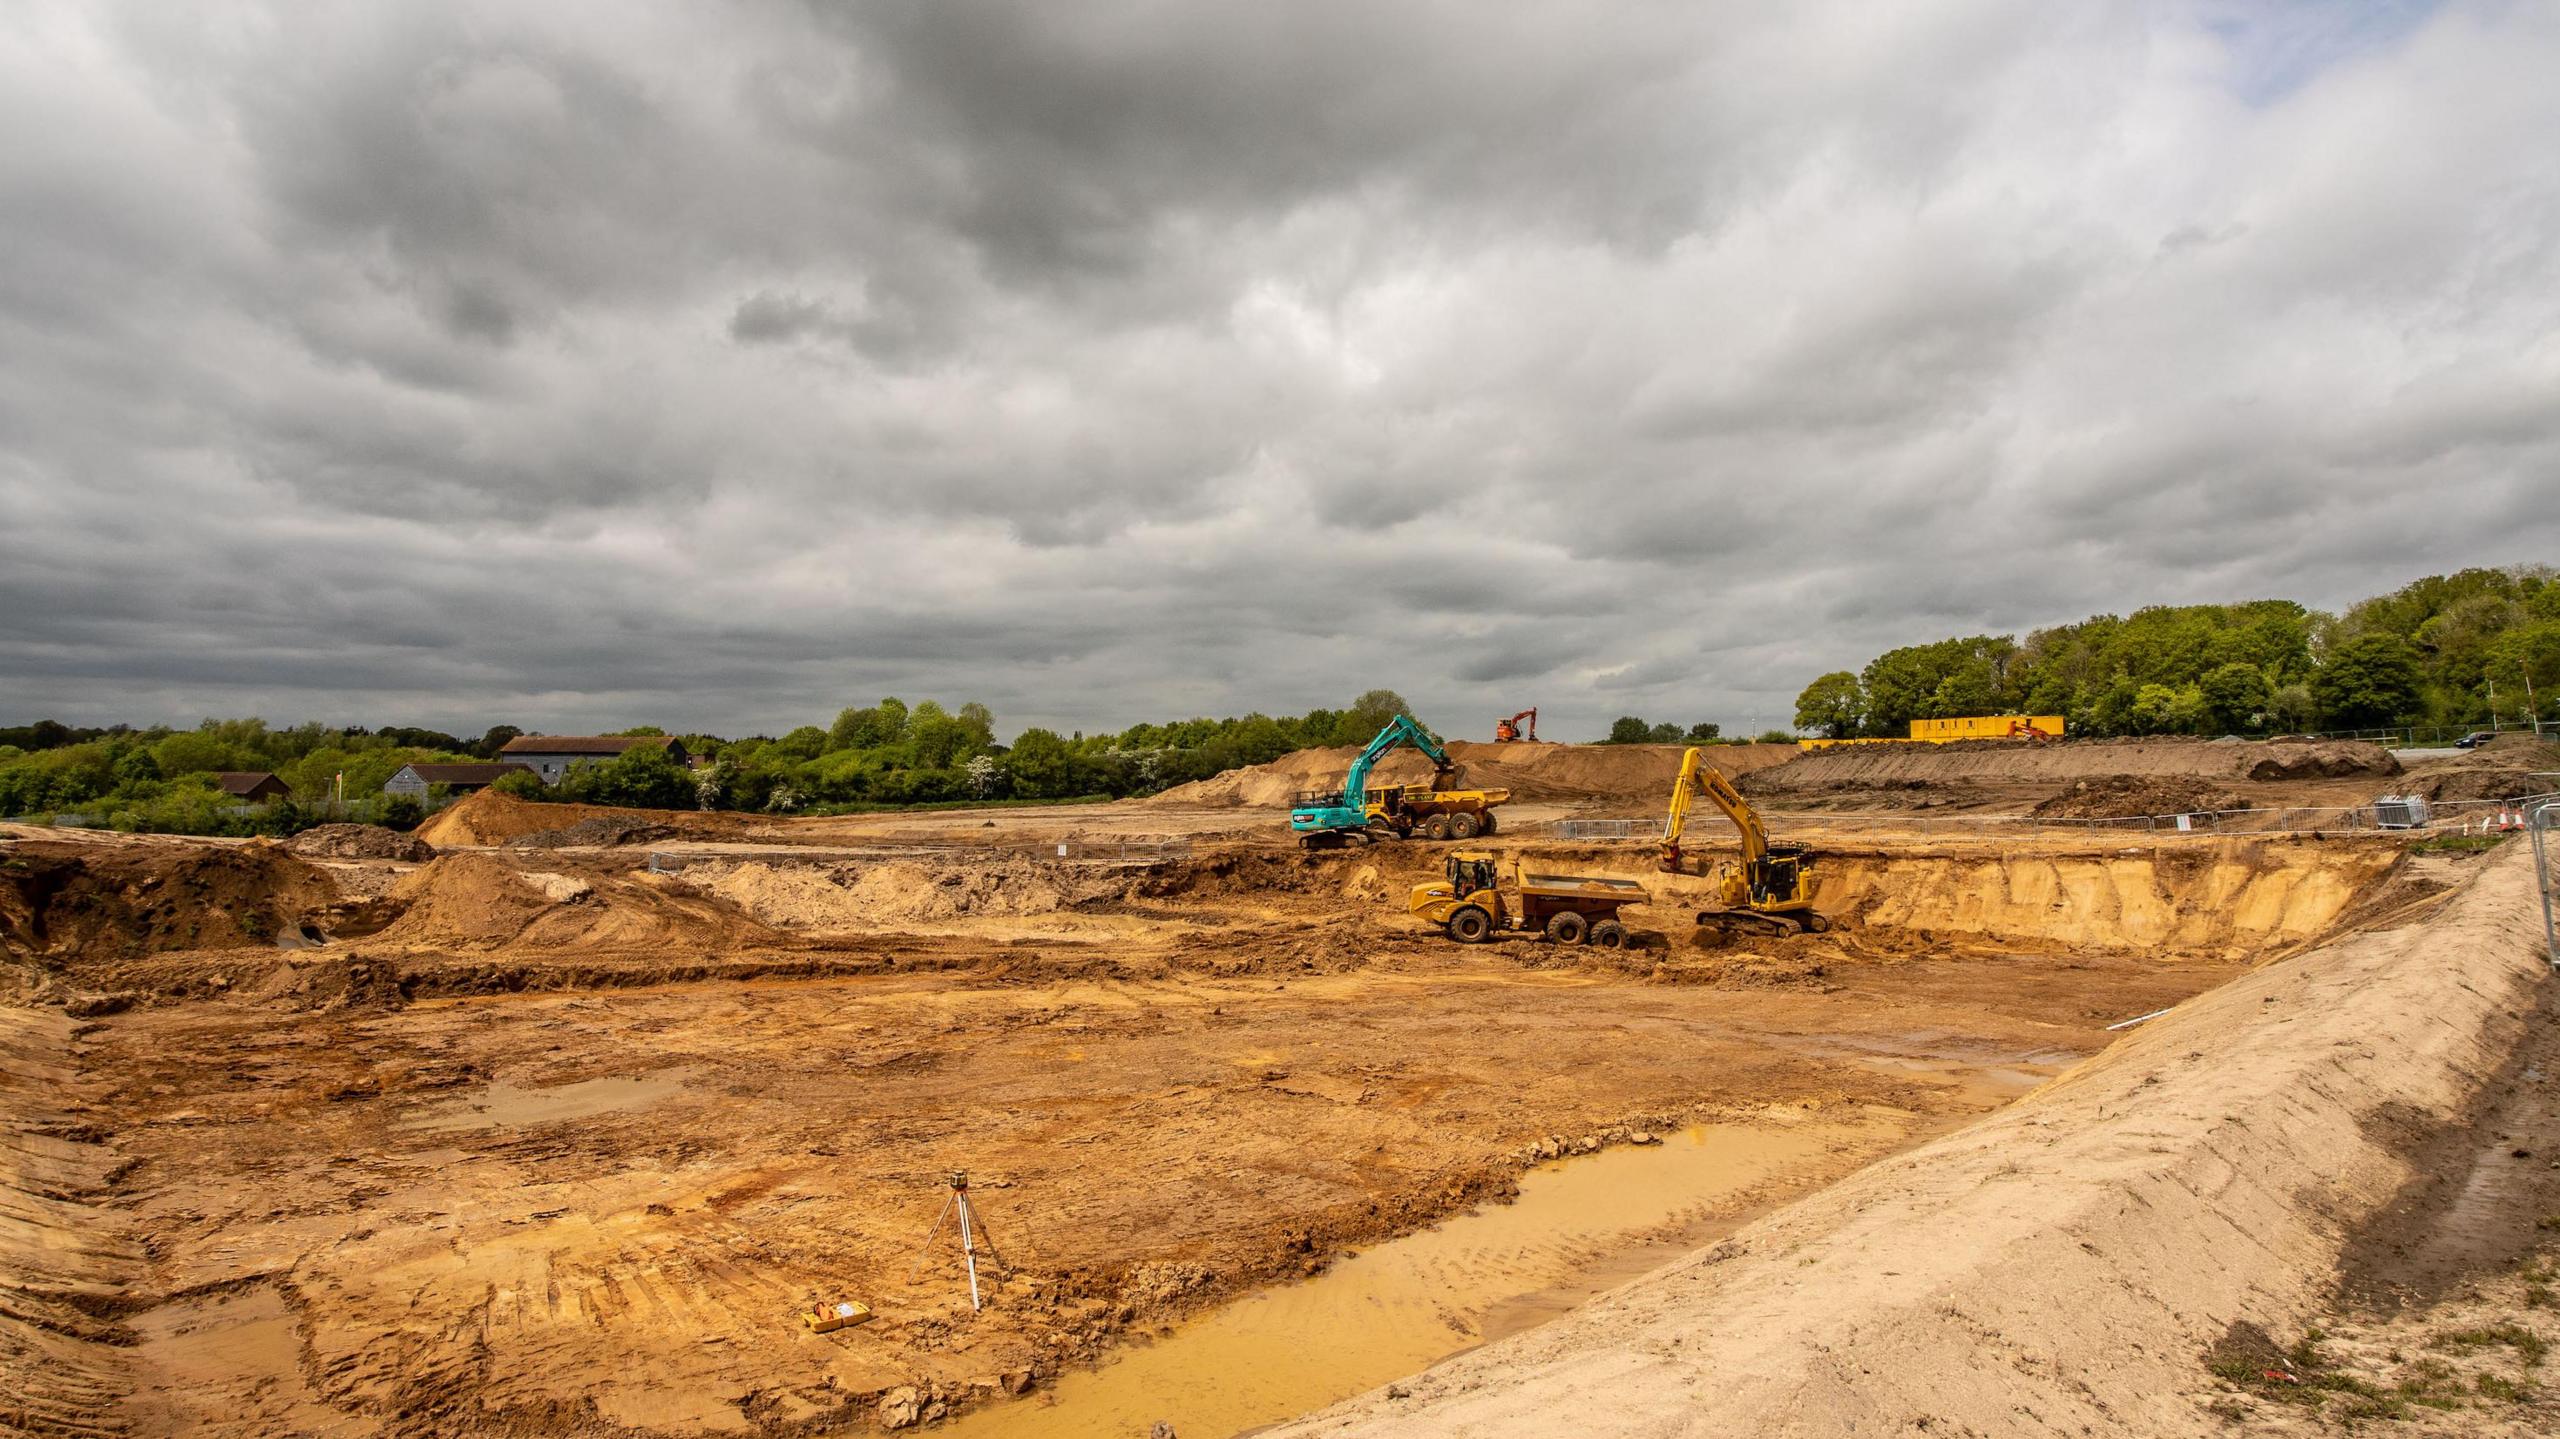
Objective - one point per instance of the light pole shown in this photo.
(2532, 707)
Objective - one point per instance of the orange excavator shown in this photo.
(1507, 730)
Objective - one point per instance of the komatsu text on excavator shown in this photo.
(1771, 889)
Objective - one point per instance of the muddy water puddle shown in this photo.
(1579, 1226)
(501, 1105)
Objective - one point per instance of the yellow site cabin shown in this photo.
(1948, 731)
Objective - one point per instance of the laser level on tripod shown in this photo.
(973, 1236)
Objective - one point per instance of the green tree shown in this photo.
(2235, 695)
(1041, 765)
(1627, 729)
(2527, 659)
(938, 739)
(1705, 732)
(2291, 707)
(1369, 714)
(871, 728)
(1832, 705)
(646, 778)
(2368, 681)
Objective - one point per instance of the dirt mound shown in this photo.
(1543, 773)
(360, 841)
(102, 901)
(597, 830)
(2125, 796)
(1985, 764)
(491, 818)
(479, 901)
(2073, 1258)
(856, 896)
(2508, 767)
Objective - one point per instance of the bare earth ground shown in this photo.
(540, 1141)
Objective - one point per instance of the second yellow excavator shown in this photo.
(1771, 889)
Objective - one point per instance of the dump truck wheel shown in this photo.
(1609, 934)
(1462, 826)
(1436, 827)
(1567, 928)
(1484, 822)
(1470, 925)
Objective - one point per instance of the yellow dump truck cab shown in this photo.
(1471, 906)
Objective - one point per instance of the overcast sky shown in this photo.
(715, 366)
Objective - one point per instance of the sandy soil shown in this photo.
(545, 1141)
(559, 1138)
(2072, 1264)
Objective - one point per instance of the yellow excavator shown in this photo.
(1771, 889)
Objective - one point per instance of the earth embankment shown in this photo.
(2060, 1267)
(1539, 773)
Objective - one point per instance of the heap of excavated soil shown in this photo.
(478, 901)
(852, 895)
(1538, 773)
(360, 841)
(597, 830)
(2064, 1266)
(98, 901)
(490, 818)
(1986, 763)
(2508, 767)
(2126, 796)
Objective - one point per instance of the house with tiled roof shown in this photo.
(551, 755)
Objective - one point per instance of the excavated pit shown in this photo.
(550, 1141)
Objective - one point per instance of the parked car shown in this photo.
(2475, 739)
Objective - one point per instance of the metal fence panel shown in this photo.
(1610, 828)
(2546, 871)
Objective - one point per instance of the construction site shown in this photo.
(2154, 1087)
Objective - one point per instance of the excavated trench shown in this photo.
(1222, 1103)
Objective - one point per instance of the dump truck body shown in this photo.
(1471, 906)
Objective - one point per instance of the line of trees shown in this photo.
(162, 779)
(885, 754)
(1628, 729)
(890, 754)
(2444, 650)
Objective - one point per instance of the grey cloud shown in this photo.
(594, 364)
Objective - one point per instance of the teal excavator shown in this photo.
(1356, 814)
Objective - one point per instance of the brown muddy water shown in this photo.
(1579, 1226)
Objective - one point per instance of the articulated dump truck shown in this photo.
(1471, 906)
(1359, 813)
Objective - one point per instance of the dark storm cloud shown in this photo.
(589, 365)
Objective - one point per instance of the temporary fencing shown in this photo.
(2546, 872)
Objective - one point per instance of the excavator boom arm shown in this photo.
(1399, 731)
(1698, 777)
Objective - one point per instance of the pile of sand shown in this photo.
(1985, 763)
(2508, 767)
(98, 901)
(895, 892)
(1538, 773)
(480, 902)
(2127, 796)
(360, 841)
(600, 830)
(491, 818)
(2065, 1265)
